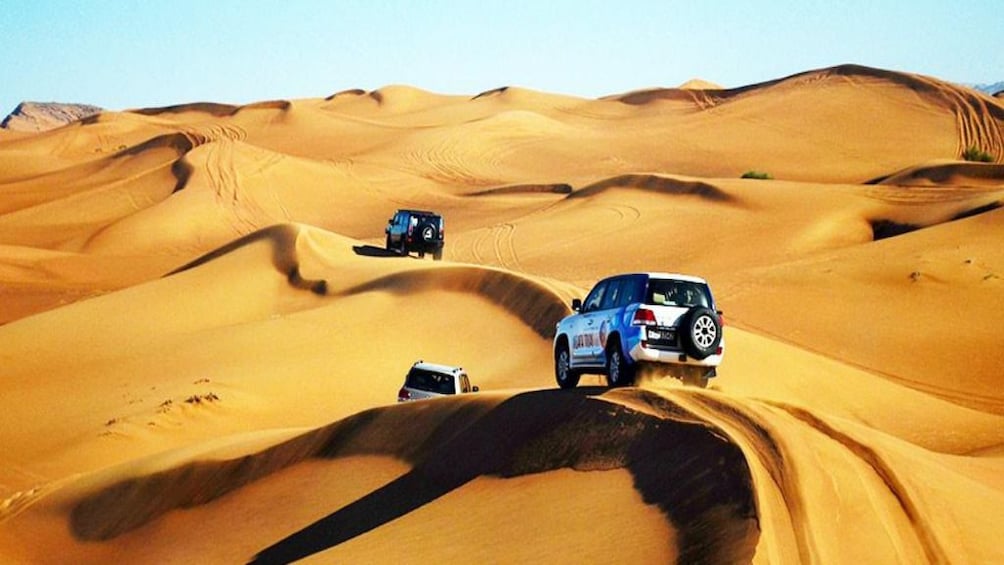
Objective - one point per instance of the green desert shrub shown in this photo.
(756, 175)
(973, 153)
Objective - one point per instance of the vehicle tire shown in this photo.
(701, 332)
(437, 255)
(563, 372)
(388, 244)
(402, 248)
(428, 232)
(421, 254)
(619, 372)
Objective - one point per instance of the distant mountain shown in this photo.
(991, 89)
(42, 116)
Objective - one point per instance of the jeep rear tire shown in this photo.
(700, 332)
(563, 372)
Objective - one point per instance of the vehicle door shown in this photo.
(584, 333)
(607, 318)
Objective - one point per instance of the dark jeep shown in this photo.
(416, 230)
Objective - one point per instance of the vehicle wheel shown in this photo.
(619, 373)
(402, 248)
(421, 254)
(437, 255)
(388, 244)
(563, 372)
(701, 332)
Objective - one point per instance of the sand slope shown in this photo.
(202, 331)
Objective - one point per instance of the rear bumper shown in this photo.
(648, 355)
(419, 245)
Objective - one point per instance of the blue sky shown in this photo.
(132, 54)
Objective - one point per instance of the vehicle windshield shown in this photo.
(667, 292)
(430, 381)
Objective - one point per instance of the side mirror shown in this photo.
(576, 304)
(475, 388)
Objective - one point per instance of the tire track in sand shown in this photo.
(225, 180)
(979, 120)
(499, 239)
(780, 465)
(928, 539)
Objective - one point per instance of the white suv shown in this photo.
(429, 380)
(630, 319)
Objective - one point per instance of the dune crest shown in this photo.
(948, 174)
(283, 241)
(656, 183)
(534, 304)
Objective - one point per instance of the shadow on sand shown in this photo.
(374, 251)
(699, 480)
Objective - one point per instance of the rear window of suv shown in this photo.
(666, 292)
(430, 381)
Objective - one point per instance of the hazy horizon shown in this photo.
(144, 55)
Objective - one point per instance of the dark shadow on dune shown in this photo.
(282, 105)
(977, 211)
(536, 305)
(282, 238)
(556, 188)
(882, 229)
(656, 183)
(349, 92)
(182, 171)
(374, 251)
(180, 143)
(699, 479)
(211, 108)
(947, 174)
(492, 92)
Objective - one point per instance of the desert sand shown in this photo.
(202, 337)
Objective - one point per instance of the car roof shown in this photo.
(419, 212)
(437, 368)
(666, 276)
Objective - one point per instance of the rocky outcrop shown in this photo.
(42, 116)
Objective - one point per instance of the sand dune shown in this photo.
(203, 335)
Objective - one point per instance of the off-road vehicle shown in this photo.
(416, 230)
(668, 320)
(429, 380)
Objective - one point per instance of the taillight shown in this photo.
(721, 322)
(643, 317)
(403, 395)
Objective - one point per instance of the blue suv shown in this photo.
(630, 319)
